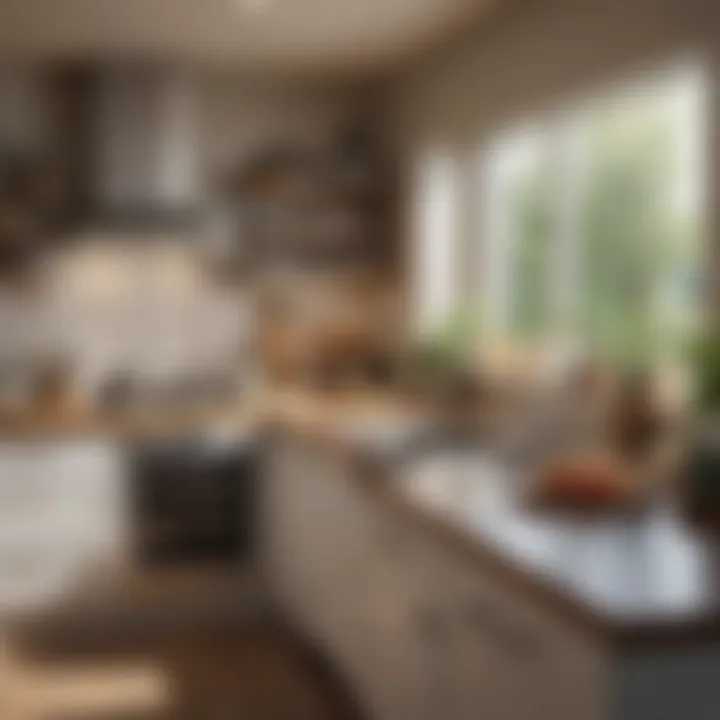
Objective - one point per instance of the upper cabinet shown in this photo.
(307, 206)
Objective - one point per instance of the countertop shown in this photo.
(647, 577)
(362, 417)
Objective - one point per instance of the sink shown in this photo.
(453, 479)
(382, 435)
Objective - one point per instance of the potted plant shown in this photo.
(443, 372)
(632, 351)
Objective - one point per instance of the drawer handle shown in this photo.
(484, 616)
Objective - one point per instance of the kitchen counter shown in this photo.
(643, 578)
(648, 577)
(422, 574)
(68, 423)
(346, 417)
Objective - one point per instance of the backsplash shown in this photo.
(141, 307)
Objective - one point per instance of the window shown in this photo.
(436, 251)
(521, 222)
(592, 236)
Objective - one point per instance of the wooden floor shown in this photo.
(259, 673)
(254, 669)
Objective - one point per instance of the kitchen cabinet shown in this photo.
(63, 516)
(324, 558)
(508, 657)
(418, 630)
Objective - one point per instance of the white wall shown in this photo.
(106, 305)
(148, 308)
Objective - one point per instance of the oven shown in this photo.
(193, 500)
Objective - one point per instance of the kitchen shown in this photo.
(257, 371)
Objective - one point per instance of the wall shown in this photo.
(24, 111)
(157, 138)
(147, 146)
(178, 168)
(241, 115)
(106, 306)
(161, 136)
(149, 309)
(128, 135)
(533, 56)
(168, 136)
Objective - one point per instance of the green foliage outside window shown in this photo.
(636, 247)
(636, 274)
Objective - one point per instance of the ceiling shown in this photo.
(324, 35)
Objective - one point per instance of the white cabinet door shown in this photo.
(62, 518)
(94, 497)
(327, 557)
(284, 528)
(307, 535)
(383, 643)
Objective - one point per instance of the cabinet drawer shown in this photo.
(522, 643)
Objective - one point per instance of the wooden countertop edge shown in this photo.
(314, 412)
(111, 426)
